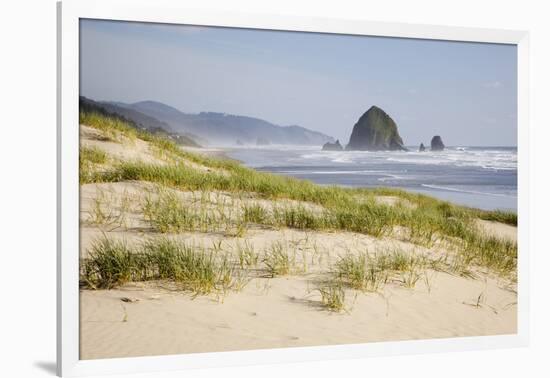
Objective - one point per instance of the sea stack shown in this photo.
(333, 146)
(421, 148)
(437, 144)
(375, 131)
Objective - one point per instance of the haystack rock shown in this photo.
(437, 144)
(375, 131)
(333, 146)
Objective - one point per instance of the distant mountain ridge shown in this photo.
(136, 119)
(227, 129)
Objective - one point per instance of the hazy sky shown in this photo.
(465, 92)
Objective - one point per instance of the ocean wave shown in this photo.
(396, 177)
(465, 191)
(491, 159)
(484, 160)
(336, 172)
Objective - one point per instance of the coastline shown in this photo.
(476, 177)
(284, 256)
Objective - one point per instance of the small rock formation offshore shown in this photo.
(375, 131)
(437, 144)
(421, 148)
(333, 146)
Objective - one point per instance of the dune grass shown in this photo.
(299, 217)
(333, 296)
(446, 208)
(248, 257)
(370, 272)
(111, 263)
(427, 220)
(507, 217)
(167, 212)
(108, 210)
(88, 159)
(490, 252)
(114, 128)
(361, 272)
(343, 211)
(255, 213)
(93, 155)
(279, 261)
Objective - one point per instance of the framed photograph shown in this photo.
(252, 188)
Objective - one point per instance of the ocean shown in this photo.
(480, 177)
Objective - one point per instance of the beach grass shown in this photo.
(111, 263)
(93, 155)
(300, 218)
(255, 213)
(371, 271)
(88, 159)
(427, 221)
(333, 296)
(507, 217)
(167, 212)
(108, 210)
(278, 260)
(361, 272)
(248, 257)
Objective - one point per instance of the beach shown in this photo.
(285, 312)
(183, 251)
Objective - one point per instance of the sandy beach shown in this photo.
(267, 310)
(279, 312)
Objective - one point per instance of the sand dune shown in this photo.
(155, 318)
(286, 312)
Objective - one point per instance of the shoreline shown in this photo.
(460, 197)
(183, 254)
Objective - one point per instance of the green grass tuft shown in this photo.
(111, 263)
(255, 213)
(333, 297)
(279, 261)
(426, 220)
(93, 155)
(361, 272)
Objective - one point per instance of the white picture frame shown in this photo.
(166, 11)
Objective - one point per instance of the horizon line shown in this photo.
(265, 120)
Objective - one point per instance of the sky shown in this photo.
(465, 92)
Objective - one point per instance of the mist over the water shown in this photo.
(464, 92)
(480, 177)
